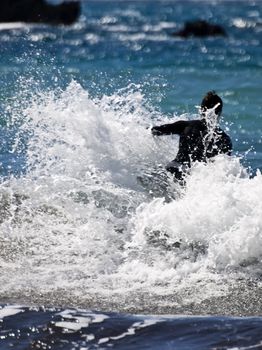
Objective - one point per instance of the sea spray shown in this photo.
(79, 219)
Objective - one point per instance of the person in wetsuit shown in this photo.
(200, 139)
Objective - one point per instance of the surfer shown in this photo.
(200, 139)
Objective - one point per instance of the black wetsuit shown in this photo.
(197, 143)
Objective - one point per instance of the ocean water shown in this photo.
(99, 247)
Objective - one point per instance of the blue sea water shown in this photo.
(89, 220)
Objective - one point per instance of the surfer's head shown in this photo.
(211, 102)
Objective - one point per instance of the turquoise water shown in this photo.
(116, 44)
(88, 216)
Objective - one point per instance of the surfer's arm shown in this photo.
(167, 129)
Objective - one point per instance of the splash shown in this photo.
(80, 220)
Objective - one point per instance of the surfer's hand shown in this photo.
(155, 131)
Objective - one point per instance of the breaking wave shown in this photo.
(94, 213)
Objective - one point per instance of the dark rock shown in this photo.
(200, 28)
(38, 11)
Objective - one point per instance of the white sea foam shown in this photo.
(13, 25)
(10, 310)
(80, 220)
(131, 330)
(75, 320)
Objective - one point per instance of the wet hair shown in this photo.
(210, 100)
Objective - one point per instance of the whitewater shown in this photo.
(93, 220)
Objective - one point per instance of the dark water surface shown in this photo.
(40, 328)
